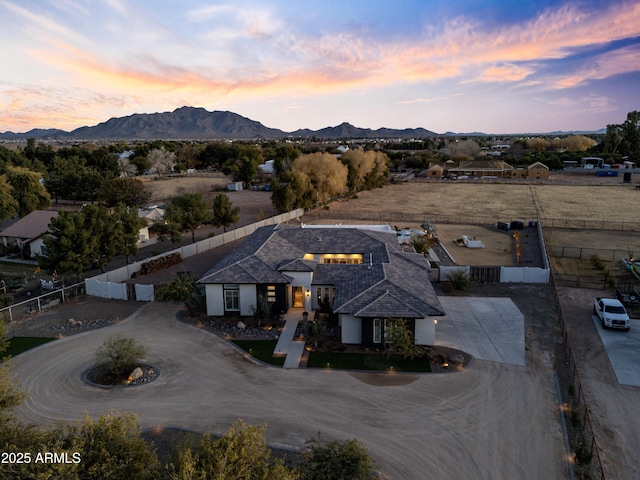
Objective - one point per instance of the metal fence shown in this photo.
(397, 217)
(41, 302)
(577, 408)
(586, 253)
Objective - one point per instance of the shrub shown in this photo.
(459, 279)
(119, 352)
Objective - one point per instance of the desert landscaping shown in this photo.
(492, 420)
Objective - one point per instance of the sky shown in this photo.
(493, 66)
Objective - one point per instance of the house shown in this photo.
(482, 168)
(28, 232)
(535, 171)
(361, 271)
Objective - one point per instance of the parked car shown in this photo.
(612, 313)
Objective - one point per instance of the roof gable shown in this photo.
(30, 226)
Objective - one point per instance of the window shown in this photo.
(271, 293)
(231, 297)
(377, 330)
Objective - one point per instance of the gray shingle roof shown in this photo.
(389, 282)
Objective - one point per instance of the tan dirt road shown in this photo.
(492, 421)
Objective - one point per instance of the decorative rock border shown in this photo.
(149, 374)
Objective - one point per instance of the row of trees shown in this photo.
(90, 238)
(318, 177)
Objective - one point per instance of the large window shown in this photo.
(231, 297)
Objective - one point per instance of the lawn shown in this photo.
(367, 361)
(18, 345)
(262, 350)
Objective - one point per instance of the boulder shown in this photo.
(241, 325)
(456, 359)
(136, 374)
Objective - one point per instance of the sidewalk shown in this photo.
(286, 346)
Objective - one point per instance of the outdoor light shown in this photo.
(308, 293)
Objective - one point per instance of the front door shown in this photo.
(297, 297)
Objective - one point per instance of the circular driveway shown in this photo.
(491, 421)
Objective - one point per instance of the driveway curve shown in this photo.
(492, 421)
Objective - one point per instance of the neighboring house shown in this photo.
(435, 170)
(363, 273)
(482, 168)
(28, 232)
(535, 171)
(151, 215)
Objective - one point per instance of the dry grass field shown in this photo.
(164, 189)
(498, 202)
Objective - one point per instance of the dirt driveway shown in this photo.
(493, 420)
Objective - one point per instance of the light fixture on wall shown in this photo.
(308, 293)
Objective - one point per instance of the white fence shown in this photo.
(109, 284)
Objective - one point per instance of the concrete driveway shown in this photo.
(487, 328)
(464, 425)
(623, 350)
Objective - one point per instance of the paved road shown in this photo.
(492, 421)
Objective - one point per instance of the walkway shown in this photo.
(286, 346)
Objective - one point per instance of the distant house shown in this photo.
(535, 171)
(435, 170)
(481, 168)
(363, 274)
(28, 232)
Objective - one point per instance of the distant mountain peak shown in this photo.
(197, 123)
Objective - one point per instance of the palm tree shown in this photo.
(182, 289)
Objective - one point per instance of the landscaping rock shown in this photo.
(137, 373)
(456, 359)
(241, 325)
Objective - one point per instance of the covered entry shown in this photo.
(297, 297)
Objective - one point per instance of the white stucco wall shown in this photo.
(35, 247)
(215, 300)
(248, 299)
(351, 329)
(425, 331)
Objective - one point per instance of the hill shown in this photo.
(188, 123)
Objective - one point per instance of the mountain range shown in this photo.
(187, 123)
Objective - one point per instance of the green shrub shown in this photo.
(459, 279)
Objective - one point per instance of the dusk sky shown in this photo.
(495, 66)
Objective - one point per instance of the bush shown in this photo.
(348, 460)
(459, 279)
(119, 352)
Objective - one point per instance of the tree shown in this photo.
(111, 447)
(130, 191)
(348, 460)
(28, 191)
(71, 244)
(189, 211)
(106, 232)
(168, 230)
(366, 169)
(242, 453)
(327, 174)
(10, 396)
(182, 289)
(128, 224)
(224, 213)
(399, 339)
(8, 205)
(292, 190)
(119, 352)
(161, 160)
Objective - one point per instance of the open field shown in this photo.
(453, 202)
(166, 188)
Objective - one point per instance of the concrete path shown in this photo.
(466, 425)
(622, 349)
(286, 337)
(487, 328)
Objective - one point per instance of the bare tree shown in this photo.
(161, 160)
